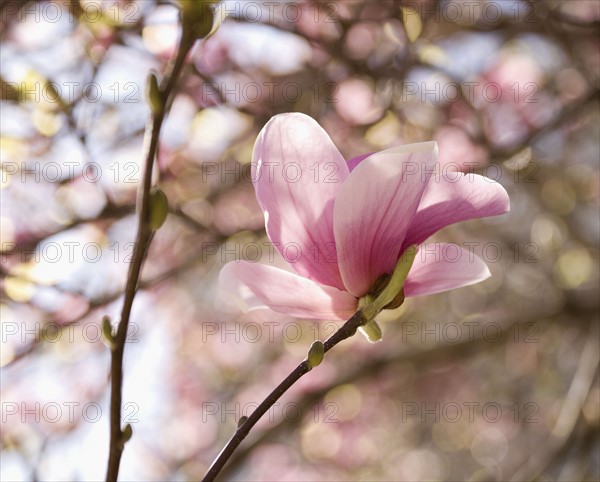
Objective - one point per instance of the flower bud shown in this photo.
(154, 94)
(199, 15)
(107, 333)
(127, 433)
(159, 208)
(242, 420)
(316, 352)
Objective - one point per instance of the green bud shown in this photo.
(203, 27)
(127, 433)
(316, 352)
(154, 94)
(159, 208)
(195, 8)
(371, 331)
(242, 420)
(199, 15)
(107, 333)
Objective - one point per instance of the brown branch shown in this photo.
(422, 358)
(142, 242)
(346, 331)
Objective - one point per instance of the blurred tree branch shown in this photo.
(143, 239)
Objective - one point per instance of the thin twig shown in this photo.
(142, 242)
(346, 331)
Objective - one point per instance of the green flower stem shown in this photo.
(394, 285)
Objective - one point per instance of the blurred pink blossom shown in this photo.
(341, 225)
(458, 152)
(356, 102)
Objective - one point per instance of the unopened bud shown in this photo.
(242, 420)
(199, 15)
(107, 333)
(316, 352)
(127, 433)
(159, 208)
(154, 94)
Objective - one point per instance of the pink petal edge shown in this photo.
(455, 197)
(297, 172)
(442, 267)
(289, 293)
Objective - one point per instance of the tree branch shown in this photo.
(346, 331)
(142, 242)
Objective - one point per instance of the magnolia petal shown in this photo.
(289, 293)
(374, 208)
(455, 197)
(441, 267)
(355, 161)
(297, 172)
(235, 292)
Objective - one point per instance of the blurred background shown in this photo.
(497, 381)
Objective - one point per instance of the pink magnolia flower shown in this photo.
(341, 225)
